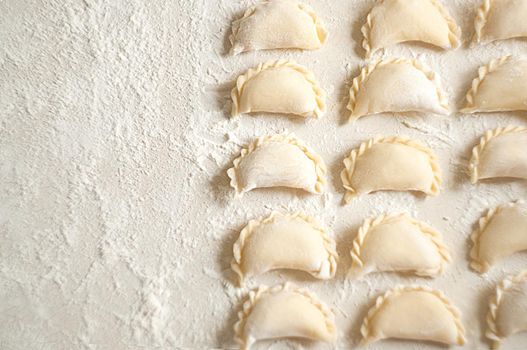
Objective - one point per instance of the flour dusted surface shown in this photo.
(117, 220)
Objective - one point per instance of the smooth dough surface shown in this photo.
(396, 85)
(277, 24)
(397, 242)
(501, 153)
(282, 87)
(500, 86)
(501, 233)
(500, 20)
(284, 241)
(390, 163)
(395, 21)
(278, 161)
(413, 313)
(283, 311)
(508, 309)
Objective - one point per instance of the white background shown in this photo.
(116, 217)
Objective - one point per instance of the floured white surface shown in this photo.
(116, 218)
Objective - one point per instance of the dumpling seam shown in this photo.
(255, 295)
(237, 91)
(483, 71)
(322, 33)
(492, 332)
(366, 71)
(482, 16)
(484, 141)
(320, 167)
(350, 162)
(365, 329)
(247, 231)
(453, 29)
(370, 224)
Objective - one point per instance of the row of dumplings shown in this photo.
(403, 312)
(381, 164)
(389, 243)
(388, 85)
(289, 24)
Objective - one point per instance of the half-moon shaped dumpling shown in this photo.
(414, 313)
(390, 164)
(398, 242)
(501, 19)
(508, 309)
(277, 24)
(278, 161)
(500, 233)
(395, 21)
(278, 87)
(501, 153)
(396, 85)
(501, 86)
(283, 311)
(284, 241)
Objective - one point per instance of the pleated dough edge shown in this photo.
(322, 33)
(480, 21)
(484, 140)
(367, 70)
(365, 328)
(476, 263)
(255, 295)
(453, 35)
(350, 162)
(492, 332)
(483, 71)
(329, 243)
(320, 95)
(319, 165)
(369, 224)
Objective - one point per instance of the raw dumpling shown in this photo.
(508, 309)
(277, 24)
(276, 161)
(414, 313)
(501, 19)
(395, 21)
(398, 242)
(501, 153)
(396, 85)
(500, 233)
(283, 311)
(390, 164)
(278, 87)
(284, 241)
(501, 86)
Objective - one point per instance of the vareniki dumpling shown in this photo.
(278, 161)
(501, 86)
(508, 309)
(399, 243)
(278, 24)
(396, 85)
(501, 153)
(390, 164)
(284, 241)
(282, 87)
(395, 21)
(501, 19)
(283, 311)
(413, 313)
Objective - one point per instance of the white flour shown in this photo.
(116, 216)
